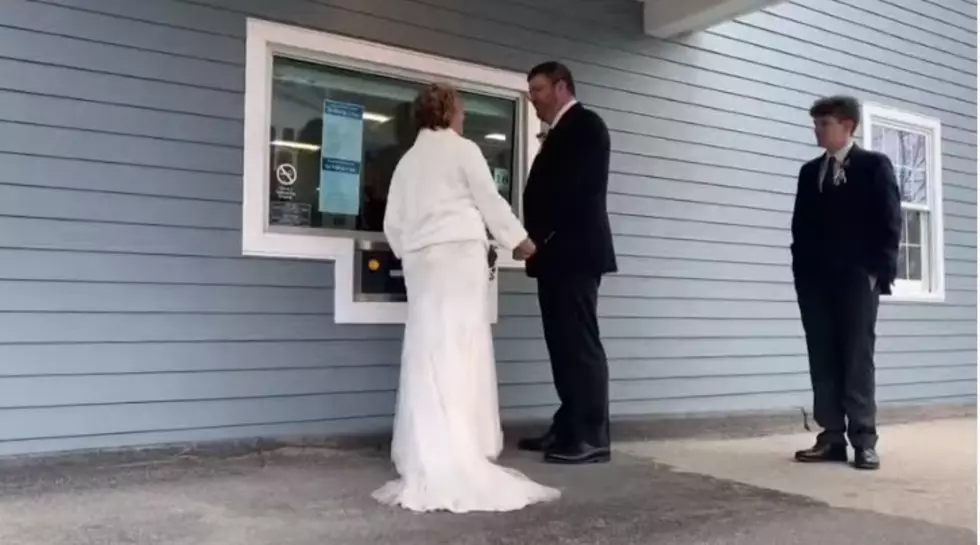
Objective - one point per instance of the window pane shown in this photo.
(911, 254)
(903, 262)
(912, 226)
(343, 183)
(907, 151)
(915, 262)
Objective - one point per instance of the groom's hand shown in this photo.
(524, 250)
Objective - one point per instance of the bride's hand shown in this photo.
(524, 250)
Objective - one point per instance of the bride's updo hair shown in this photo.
(435, 106)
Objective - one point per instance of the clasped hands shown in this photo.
(524, 250)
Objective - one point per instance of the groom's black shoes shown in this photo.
(581, 453)
(538, 444)
(823, 453)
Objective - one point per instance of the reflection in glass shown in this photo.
(907, 151)
(299, 92)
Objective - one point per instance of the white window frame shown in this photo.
(933, 285)
(265, 39)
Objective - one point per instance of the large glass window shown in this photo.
(912, 143)
(337, 134)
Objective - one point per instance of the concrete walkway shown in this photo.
(320, 496)
(929, 469)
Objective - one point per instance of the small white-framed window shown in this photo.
(913, 143)
(326, 119)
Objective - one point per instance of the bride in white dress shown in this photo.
(447, 430)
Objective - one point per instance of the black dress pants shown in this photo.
(578, 360)
(839, 308)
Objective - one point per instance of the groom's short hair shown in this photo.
(555, 72)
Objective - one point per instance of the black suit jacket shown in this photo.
(565, 199)
(859, 228)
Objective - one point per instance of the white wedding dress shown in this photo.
(447, 425)
(447, 430)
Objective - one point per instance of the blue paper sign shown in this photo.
(340, 158)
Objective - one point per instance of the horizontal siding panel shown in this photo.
(961, 253)
(116, 389)
(17, 393)
(111, 358)
(78, 297)
(57, 50)
(40, 234)
(59, 203)
(111, 148)
(827, 77)
(640, 389)
(957, 164)
(697, 153)
(176, 14)
(672, 169)
(45, 327)
(67, 328)
(886, 77)
(119, 119)
(955, 392)
(959, 179)
(669, 305)
(959, 194)
(699, 230)
(705, 289)
(708, 115)
(910, 14)
(88, 24)
(960, 238)
(959, 209)
(315, 428)
(87, 267)
(964, 7)
(679, 328)
(651, 267)
(510, 350)
(58, 172)
(42, 79)
(701, 250)
(104, 359)
(714, 130)
(965, 225)
(695, 211)
(142, 417)
(631, 186)
(881, 15)
(951, 364)
(868, 42)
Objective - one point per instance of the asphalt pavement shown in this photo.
(321, 496)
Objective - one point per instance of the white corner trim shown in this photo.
(879, 114)
(263, 40)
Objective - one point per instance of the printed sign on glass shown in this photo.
(340, 158)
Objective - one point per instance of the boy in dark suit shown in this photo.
(565, 215)
(846, 227)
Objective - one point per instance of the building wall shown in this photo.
(128, 316)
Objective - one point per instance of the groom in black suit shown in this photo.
(565, 215)
(846, 226)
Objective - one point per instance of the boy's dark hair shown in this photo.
(555, 72)
(840, 107)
